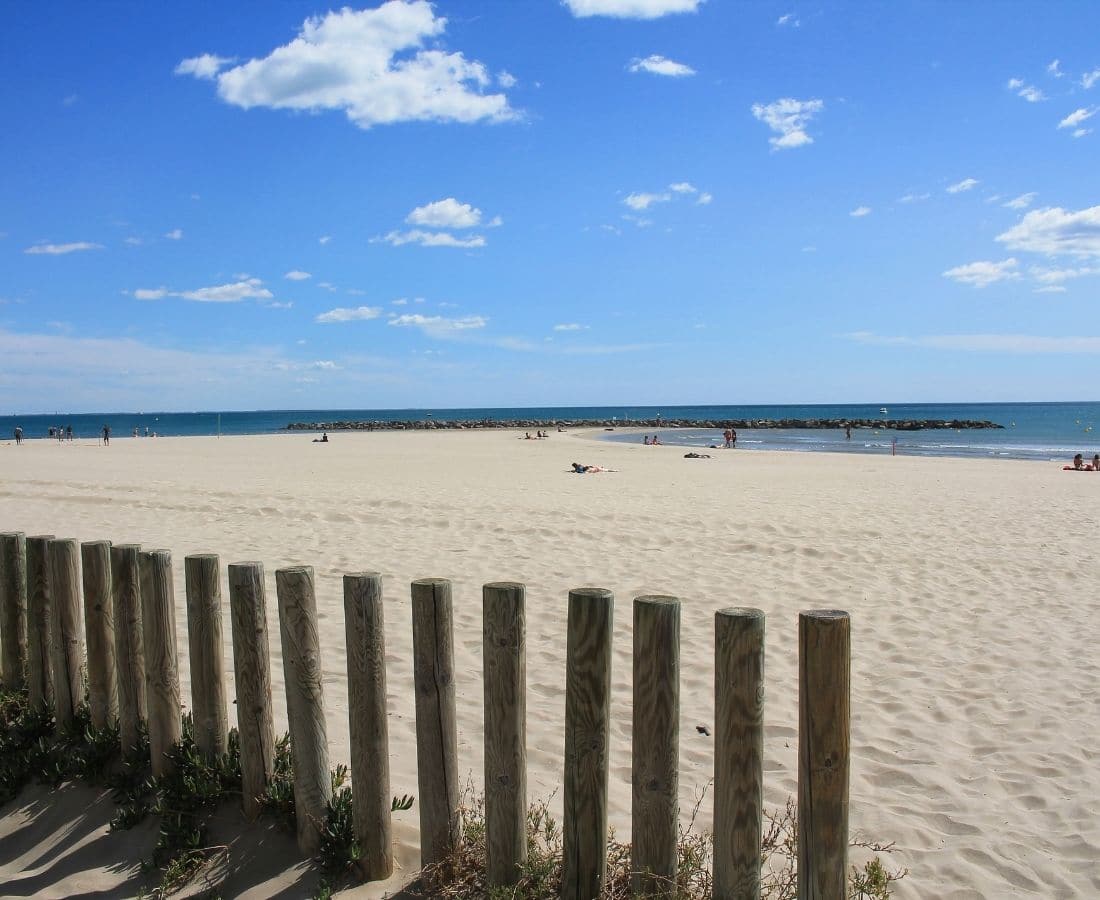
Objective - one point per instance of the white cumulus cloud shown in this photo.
(960, 187)
(788, 118)
(297, 275)
(1029, 92)
(447, 213)
(370, 63)
(346, 314)
(860, 211)
(62, 249)
(1078, 116)
(660, 65)
(1090, 78)
(630, 9)
(429, 239)
(641, 200)
(1056, 232)
(788, 19)
(248, 289)
(176, 234)
(438, 326)
(983, 273)
(150, 293)
(206, 66)
(570, 326)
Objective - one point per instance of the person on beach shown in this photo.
(68, 432)
(694, 455)
(18, 435)
(1096, 462)
(1078, 462)
(847, 431)
(728, 437)
(733, 438)
(106, 435)
(323, 439)
(582, 470)
(655, 442)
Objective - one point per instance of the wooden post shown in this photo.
(68, 642)
(305, 702)
(823, 743)
(99, 628)
(158, 629)
(252, 676)
(13, 609)
(370, 761)
(655, 746)
(436, 729)
(129, 643)
(39, 624)
(738, 752)
(204, 641)
(504, 621)
(587, 727)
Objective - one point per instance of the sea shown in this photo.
(1037, 431)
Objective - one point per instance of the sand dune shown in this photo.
(972, 588)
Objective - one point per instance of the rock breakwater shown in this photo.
(656, 423)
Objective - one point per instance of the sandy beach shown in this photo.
(972, 587)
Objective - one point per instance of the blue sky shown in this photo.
(273, 205)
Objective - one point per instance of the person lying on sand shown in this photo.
(582, 470)
(694, 455)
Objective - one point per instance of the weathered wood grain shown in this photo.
(252, 678)
(738, 752)
(13, 609)
(204, 642)
(158, 630)
(587, 723)
(436, 729)
(305, 701)
(40, 618)
(370, 762)
(129, 643)
(99, 630)
(824, 664)
(68, 639)
(504, 627)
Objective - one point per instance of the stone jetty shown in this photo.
(656, 423)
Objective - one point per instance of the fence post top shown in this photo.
(656, 600)
(159, 554)
(98, 543)
(57, 540)
(248, 564)
(739, 612)
(13, 534)
(505, 586)
(823, 615)
(127, 548)
(201, 556)
(431, 581)
(295, 570)
(593, 593)
(355, 576)
(40, 537)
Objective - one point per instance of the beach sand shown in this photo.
(972, 586)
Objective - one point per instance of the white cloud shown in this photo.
(324, 239)
(788, 118)
(429, 239)
(296, 275)
(150, 293)
(960, 187)
(275, 304)
(1057, 276)
(986, 343)
(641, 200)
(570, 326)
(660, 65)
(373, 65)
(448, 213)
(206, 66)
(1051, 289)
(1081, 132)
(1056, 232)
(61, 249)
(983, 273)
(1055, 69)
(438, 326)
(1090, 78)
(1078, 116)
(788, 19)
(704, 198)
(248, 289)
(328, 286)
(507, 80)
(630, 9)
(400, 301)
(355, 314)
(1021, 202)
(176, 234)
(683, 187)
(1029, 92)
(133, 241)
(860, 211)
(913, 198)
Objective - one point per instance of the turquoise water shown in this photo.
(1031, 430)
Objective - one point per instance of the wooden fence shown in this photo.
(131, 675)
